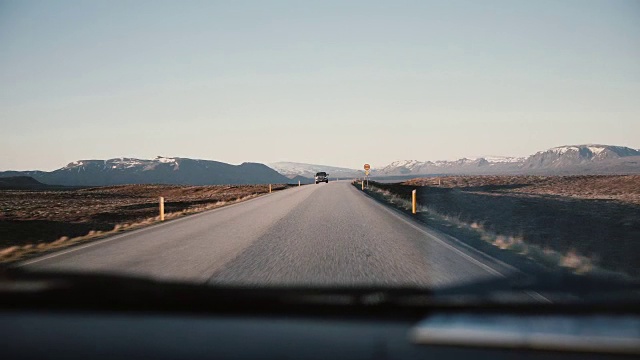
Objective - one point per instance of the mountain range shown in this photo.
(161, 170)
(562, 160)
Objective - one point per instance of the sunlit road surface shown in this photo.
(325, 234)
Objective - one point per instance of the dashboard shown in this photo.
(29, 334)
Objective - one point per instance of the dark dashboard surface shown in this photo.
(62, 316)
(104, 335)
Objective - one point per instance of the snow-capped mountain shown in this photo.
(405, 167)
(121, 164)
(572, 155)
(161, 170)
(571, 159)
(293, 169)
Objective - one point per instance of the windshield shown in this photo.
(471, 144)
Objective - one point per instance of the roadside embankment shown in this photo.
(585, 223)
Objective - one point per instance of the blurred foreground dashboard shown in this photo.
(441, 335)
(105, 319)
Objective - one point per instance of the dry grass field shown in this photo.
(622, 189)
(593, 218)
(40, 220)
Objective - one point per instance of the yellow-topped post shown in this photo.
(413, 201)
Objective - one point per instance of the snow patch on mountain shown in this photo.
(595, 149)
(561, 150)
(165, 160)
(503, 159)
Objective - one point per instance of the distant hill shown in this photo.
(162, 170)
(570, 156)
(562, 160)
(292, 169)
(20, 182)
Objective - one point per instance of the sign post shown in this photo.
(367, 169)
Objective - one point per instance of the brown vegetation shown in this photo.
(597, 217)
(620, 188)
(33, 219)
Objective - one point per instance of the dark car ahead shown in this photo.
(322, 177)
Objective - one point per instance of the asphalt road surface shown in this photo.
(325, 234)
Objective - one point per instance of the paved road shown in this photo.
(314, 235)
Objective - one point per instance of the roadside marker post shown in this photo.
(161, 208)
(298, 183)
(269, 188)
(367, 167)
(413, 201)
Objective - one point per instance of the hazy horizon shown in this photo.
(331, 83)
(373, 164)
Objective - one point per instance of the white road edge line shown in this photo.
(146, 228)
(450, 247)
(533, 294)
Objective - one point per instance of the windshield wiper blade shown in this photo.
(101, 292)
(119, 286)
(136, 291)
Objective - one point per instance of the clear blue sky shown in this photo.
(331, 82)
